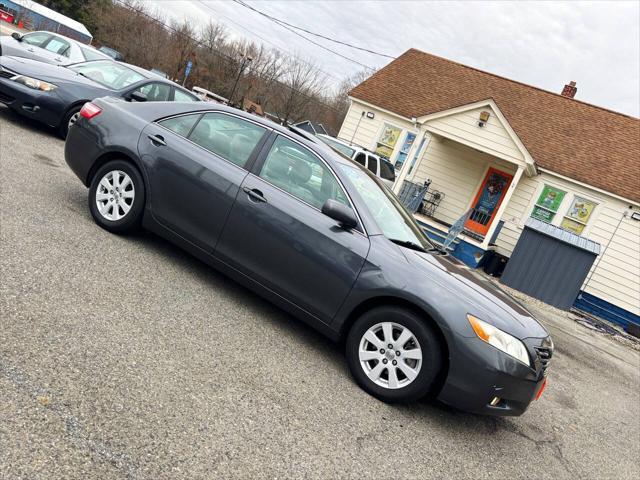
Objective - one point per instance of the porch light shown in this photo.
(484, 118)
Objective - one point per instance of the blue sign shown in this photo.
(187, 70)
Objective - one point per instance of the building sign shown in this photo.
(578, 215)
(548, 203)
(388, 140)
(402, 156)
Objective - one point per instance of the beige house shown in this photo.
(500, 152)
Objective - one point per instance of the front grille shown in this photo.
(544, 355)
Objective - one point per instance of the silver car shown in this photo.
(49, 47)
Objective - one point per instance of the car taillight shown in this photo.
(90, 110)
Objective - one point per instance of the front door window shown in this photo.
(404, 151)
(488, 200)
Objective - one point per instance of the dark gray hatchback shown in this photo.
(318, 235)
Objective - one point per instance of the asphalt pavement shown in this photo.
(127, 358)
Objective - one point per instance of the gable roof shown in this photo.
(590, 144)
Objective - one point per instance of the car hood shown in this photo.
(486, 300)
(47, 72)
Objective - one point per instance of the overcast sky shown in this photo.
(545, 44)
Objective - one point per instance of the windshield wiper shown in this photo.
(408, 244)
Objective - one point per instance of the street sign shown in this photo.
(187, 70)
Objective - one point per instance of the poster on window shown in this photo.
(550, 198)
(388, 140)
(404, 151)
(581, 210)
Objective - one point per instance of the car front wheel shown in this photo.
(394, 354)
(116, 197)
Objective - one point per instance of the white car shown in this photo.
(49, 47)
(380, 167)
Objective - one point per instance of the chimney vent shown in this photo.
(570, 90)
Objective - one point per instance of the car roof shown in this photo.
(355, 146)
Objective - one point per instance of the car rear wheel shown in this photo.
(69, 119)
(116, 197)
(394, 354)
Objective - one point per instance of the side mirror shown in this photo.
(137, 96)
(342, 214)
(17, 36)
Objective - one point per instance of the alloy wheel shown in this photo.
(73, 119)
(115, 195)
(390, 355)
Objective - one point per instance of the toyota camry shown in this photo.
(320, 236)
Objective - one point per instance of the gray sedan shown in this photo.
(49, 47)
(319, 235)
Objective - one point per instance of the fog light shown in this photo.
(495, 401)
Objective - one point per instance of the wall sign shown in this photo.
(388, 139)
(548, 203)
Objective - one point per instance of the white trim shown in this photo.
(375, 107)
(530, 163)
(586, 185)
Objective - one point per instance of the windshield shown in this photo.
(108, 73)
(343, 149)
(394, 221)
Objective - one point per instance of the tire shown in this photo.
(120, 210)
(63, 128)
(374, 376)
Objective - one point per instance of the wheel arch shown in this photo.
(385, 301)
(115, 155)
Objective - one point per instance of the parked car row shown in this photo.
(279, 211)
(48, 78)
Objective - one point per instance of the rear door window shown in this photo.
(155, 91)
(58, 46)
(229, 137)
(361, 158)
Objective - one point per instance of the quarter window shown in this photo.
(298, 171)
(90, 54)
(372, 165)
(180, 125)
(229, 137)
(578, 215)
(180, 96)
(548, 203)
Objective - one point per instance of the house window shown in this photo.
(578, 215)
(548, 203)
(387, 141)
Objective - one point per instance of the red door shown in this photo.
(488, 200)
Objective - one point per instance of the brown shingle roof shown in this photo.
(581, 141)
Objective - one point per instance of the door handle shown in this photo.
(30, 50)
(254, 194)
(157, 140)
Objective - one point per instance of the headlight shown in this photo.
(499, 339)
(34, 83)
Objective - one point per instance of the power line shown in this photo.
(219, 54)
(282, 22)
(277, 22)
(268, 41)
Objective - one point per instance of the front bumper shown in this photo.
(479, 373)
(44, 107)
